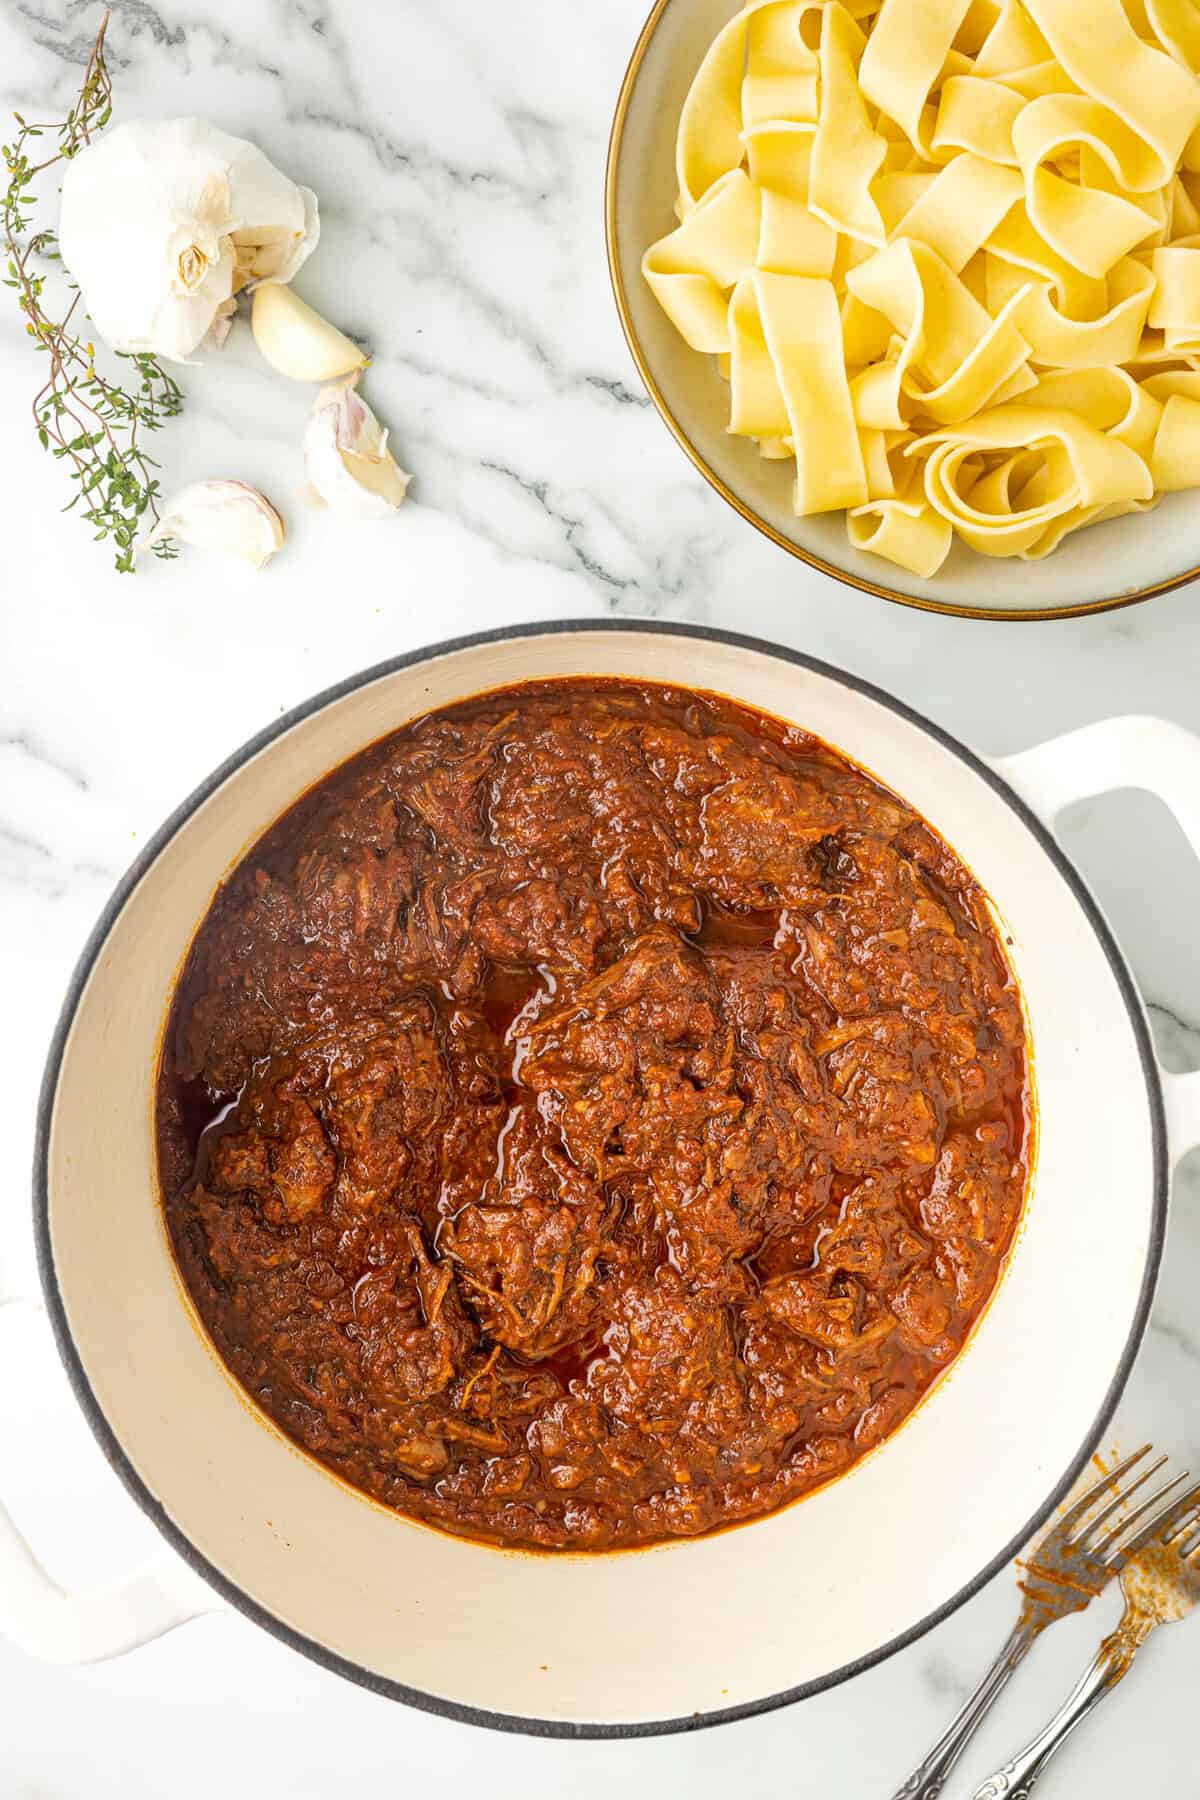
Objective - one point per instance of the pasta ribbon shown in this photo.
(1096, 45)
(780, 81)
(1089, 226)
(793, 240)
(1109, 399)
(947, 255)
(954, 356)
(1175, 459)
(977, 115)
(1175, 307)
(709, 143)
(906, 532)
(692, 270)
(1013, 43)
(1053, 464)
(958, 210)
(803, 333)
(904, 55)
(1176, 25)
(847, 151)
(1059, 341)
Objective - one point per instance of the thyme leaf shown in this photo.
(94, 426)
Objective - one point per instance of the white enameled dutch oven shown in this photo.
(693, 1632)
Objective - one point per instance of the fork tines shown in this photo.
(1117, 1545)
(1085, 1537)
(1099, 1532)
(1185, 1534)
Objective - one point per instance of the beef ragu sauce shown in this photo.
(594, 1114)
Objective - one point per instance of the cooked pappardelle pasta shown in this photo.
(947, 254)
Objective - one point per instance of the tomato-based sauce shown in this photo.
(594, 1114)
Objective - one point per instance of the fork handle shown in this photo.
(1016, 1780)
(927, 1781)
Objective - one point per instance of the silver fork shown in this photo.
(1076, 1559)
(1161, 1586)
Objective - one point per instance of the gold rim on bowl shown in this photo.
(615, 140)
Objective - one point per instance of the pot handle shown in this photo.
(46, 1621)
(1130, 752)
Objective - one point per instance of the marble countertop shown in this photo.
(458, 154)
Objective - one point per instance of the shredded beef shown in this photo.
(592, 1115)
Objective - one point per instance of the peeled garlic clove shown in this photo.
(163, 220)
(227, 516)
(349, 463)
(297, 341)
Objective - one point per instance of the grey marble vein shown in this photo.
(617, 390)
(1177, 1335)
(28, 863)
(1178, 1037)
(28, 744)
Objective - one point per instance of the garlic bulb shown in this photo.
(227, 516)
(349, 463)
(165, 220)
(297, 341)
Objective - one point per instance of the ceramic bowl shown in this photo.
(1105, 566)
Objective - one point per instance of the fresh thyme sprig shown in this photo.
(92, 424)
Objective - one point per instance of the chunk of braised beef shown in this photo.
(538, 803)
(282, 1155)
(535, 1255)
(613, 1063)
(353, 893)
(883, 1072)
(539, 921)
(833, 1312)
(672, 1371)
(968, 1197)
(413, 1334)
(303, 1165)
(238, 1161)
(443, 780)
(873, 1235)
(756, 833)
(923, 1307)
(385, 1088)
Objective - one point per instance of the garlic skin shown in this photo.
(165, 220)
(218, 332)
(297, 341)
(226, 516)
(347, 456)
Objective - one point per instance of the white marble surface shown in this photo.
(458, 153)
